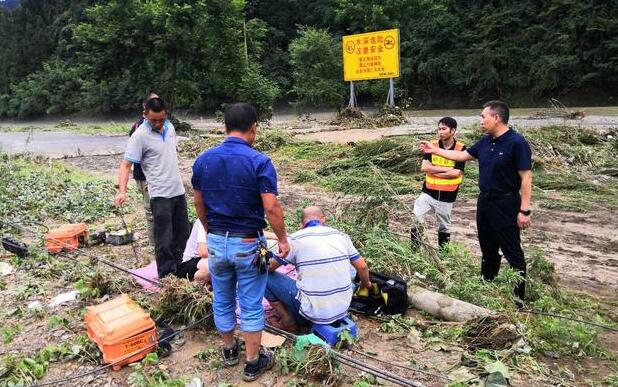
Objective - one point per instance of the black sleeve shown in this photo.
(135, 126)
(427, 156)
(461, 165)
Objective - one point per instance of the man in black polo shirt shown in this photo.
(442, 180)
(235, 186)
(505, 181)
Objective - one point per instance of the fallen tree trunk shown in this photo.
(444, 307)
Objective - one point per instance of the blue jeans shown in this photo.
(283, 289)
(232, 270)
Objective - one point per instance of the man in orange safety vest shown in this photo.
(442, 181)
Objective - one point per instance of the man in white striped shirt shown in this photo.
(323, 291)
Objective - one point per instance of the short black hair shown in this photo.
(448, 121)
(500, 108)
(239, 117)
(152, 93)
(156, 105)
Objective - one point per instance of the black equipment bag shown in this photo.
(391, 297)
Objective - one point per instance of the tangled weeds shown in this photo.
(183, 301)
(558, 110)
(314, 361)
(352, 118)
(269, 139)
(192, 148)
(385, 116)
(181, 126)
(96, 284)
(401, 158)
(320, 364)
(490, 332)
(390, 116)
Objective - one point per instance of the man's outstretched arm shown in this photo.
(428, 147)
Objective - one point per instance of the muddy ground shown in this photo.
(583, 247)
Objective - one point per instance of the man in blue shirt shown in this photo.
(505, 181)
(234, 187)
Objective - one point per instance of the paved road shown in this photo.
(60, 144)
(57, 144)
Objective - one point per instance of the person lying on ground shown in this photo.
(194, 265)
(323, 291)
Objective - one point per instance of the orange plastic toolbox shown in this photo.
(123, 331)
(66, 237)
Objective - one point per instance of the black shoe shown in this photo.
(265, 361)
(416, 236)
(230, 356)
(443, 239)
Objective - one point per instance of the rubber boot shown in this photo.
(443, 239)
(416, 236)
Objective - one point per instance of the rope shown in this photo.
(102, 368)
(570, 318)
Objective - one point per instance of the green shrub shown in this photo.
(315, 57)
(259, 91)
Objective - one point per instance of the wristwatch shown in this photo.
(527, 212)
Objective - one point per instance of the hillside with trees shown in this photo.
(62, 56)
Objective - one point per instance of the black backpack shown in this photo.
(391, 298)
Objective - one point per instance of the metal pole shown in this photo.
(352, 103)
(390, 99)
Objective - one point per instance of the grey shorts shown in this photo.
(425, 203)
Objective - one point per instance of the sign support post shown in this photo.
(390, 99)
(352, 102)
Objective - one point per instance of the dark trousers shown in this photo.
(496, 222)
(171, 231)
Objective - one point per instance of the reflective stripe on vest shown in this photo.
(437, 183)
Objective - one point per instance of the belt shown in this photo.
(248, 234)
(496, 194)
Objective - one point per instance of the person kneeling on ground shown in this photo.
(194, 264)
(322, 256)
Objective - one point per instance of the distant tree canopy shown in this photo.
(61, 56)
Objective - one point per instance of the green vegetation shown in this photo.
(39, 190)
(68, 56)
(211, 356)
(8, 333)
(371, 178)
(145, 374)
(373, 175)
(183, 301)
(562, 156)
(20, 370)
(310, 362)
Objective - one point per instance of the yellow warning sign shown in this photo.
(373, 55)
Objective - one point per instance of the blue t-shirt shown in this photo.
(500, 160)
(231, 178)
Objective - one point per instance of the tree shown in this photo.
(317, 69)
